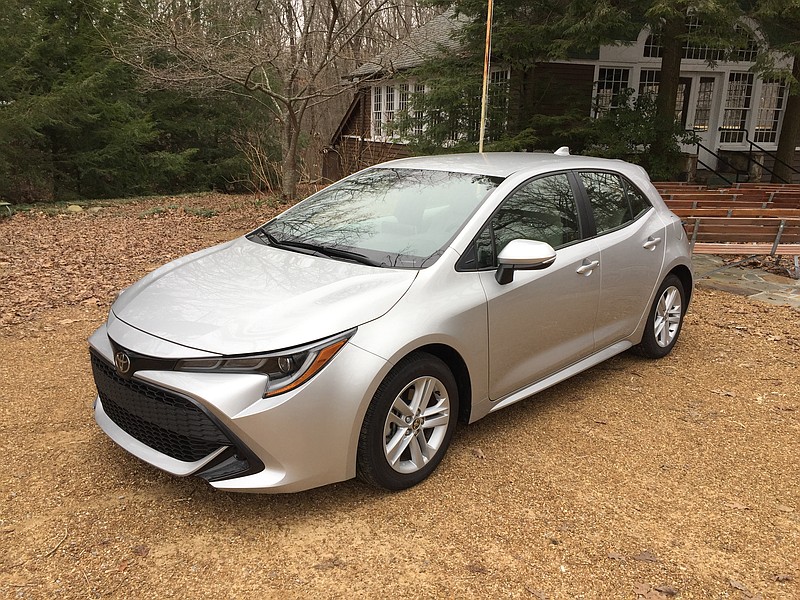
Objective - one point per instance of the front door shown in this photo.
(703, 112)
(543, 320)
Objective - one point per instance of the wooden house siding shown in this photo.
(559, 87)
(352, 154)
(549, 89)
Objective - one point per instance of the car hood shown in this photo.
(244, 297)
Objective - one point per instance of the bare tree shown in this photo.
(288, 55)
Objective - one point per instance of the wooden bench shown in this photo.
(735, 211)
(724, 204)
(751, 236)
(789, 199)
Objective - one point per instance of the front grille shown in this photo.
(165, 421)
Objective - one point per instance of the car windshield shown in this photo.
(388, 217)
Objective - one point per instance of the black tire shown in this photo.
(393, 426)
(659, 337)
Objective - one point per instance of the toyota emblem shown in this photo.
(123, 362)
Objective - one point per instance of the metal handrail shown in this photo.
(750, 158)
(700, 145)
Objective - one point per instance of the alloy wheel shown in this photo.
(668, 316)
(416, 424)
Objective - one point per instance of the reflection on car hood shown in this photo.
(243, 297)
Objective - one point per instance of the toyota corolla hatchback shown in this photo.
(346, 336)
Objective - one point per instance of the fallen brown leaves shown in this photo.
(50, 261)
(635, 480)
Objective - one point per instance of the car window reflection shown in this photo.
(615, 202)
(397, 217)
(543, 210)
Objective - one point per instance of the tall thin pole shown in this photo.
(487, 57)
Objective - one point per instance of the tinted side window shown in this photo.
(638, 201)
(542, 210)
(606, 192)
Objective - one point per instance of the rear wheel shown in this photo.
(408, 424)
(665, 320)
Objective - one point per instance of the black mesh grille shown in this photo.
(165, 421)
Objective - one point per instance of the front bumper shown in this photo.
(218, 426)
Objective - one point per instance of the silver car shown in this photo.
(347, 336)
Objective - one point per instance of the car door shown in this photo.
(543, 320)
(631, 240)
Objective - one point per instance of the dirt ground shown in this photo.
(637, 479)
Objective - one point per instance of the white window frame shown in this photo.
(739, 103)
(769, 114)
(389, 97)
(600, 107)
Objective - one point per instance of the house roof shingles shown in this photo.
(430, 40)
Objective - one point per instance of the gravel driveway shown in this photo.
(636, 479)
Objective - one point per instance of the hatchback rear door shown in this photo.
(631, 238)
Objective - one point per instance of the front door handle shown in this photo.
(651, 243)
(587, 267)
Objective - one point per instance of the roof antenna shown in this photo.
(563, 151)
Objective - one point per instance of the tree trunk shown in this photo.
(672, 38)
(790, 131)
(289, 139)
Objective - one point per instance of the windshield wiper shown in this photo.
(319, 249)
(332, 252)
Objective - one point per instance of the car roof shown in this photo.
(503, 164)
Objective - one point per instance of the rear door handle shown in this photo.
(651, 243)
(587, 267)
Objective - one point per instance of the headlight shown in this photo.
(285, 370)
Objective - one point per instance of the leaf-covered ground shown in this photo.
(55, 258)
(636, 479)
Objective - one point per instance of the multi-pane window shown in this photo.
(696, 49)
(419, 126)
(705, 97)
(390, 99)
(693, 48)
(499, 77)
(404, 97)
(749, 51)
(398, 111)
(498, 103)
(377, 111)
(769, 110)
(737, 107)
(652, 46)
(386, 101)
(611, 82)
(388, 111)
(649, 81)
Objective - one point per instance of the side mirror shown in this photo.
(524, 255)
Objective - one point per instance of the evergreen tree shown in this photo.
(68, 120)
(74, 122)
(527, 34)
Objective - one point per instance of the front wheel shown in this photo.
(665, 320)
(409, 423)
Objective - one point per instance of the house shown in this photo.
(735, 114)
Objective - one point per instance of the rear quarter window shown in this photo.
(638, 201)
(615, 201)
